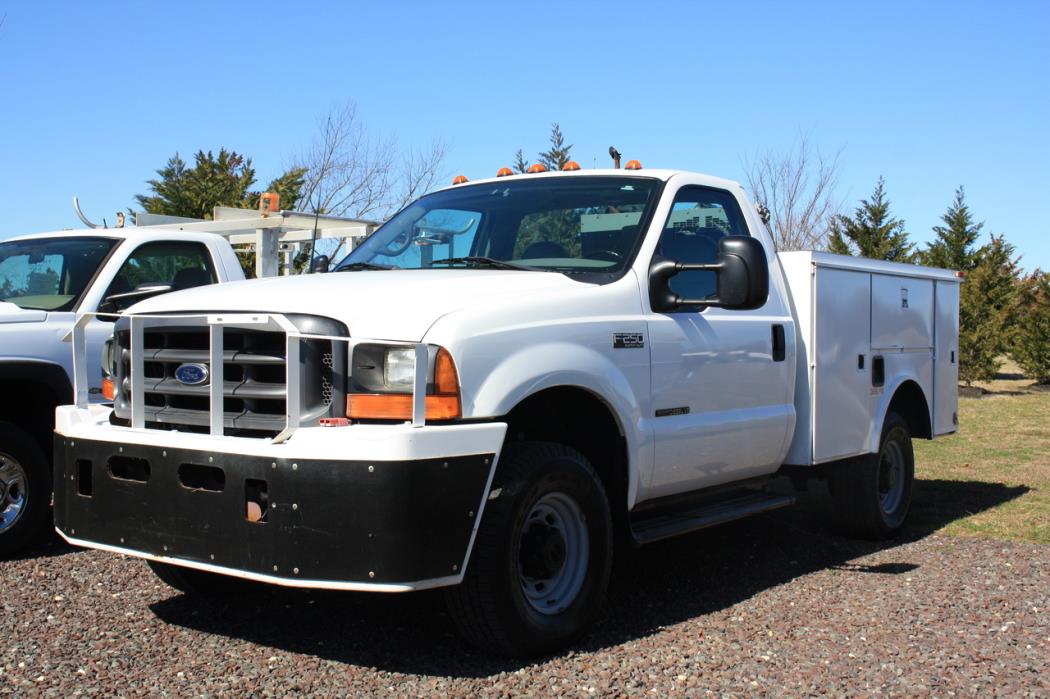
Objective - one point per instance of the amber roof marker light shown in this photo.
(459, 179)
(632, 165)
(504, 172)
(538, 167)
(570, 166)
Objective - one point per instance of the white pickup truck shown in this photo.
(46, 280)
(506, 377)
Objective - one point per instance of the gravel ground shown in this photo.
(770, 605)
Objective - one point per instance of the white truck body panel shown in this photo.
(850, 312)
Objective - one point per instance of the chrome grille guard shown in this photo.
(216, 322)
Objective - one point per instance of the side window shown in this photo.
(699, 218)
(182, 265)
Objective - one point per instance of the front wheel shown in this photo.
(540, 564)
(873, 494)
(25, 490)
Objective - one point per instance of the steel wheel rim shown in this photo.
(553, 553)
(891, 477)
(12, 491)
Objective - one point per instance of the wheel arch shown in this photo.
(34, 389)
(909, 401)
(579, 418)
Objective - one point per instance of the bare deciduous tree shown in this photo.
(798, 189)
(353, 172)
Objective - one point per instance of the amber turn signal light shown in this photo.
(442, 404)
(109, 389)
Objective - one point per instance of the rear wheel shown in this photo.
(873, 494)
(25, 490)
(540, 565)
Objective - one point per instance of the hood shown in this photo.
(11, 313)
(384, 305)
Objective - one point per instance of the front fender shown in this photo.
(556, 364)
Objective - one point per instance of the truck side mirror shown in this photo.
(742, 274)
(319, 264)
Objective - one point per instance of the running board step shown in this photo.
(653, 526)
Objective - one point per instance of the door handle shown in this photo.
(779, 343)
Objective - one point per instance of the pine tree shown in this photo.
(521, 165)
(954, 246)
(558, 154)
(1030, 341)
(985, 311)
(871, 231)
(222, 180)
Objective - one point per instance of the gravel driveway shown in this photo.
(773, 604)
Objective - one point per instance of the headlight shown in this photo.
(382, 377)
(399, 368)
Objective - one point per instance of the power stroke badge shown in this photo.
(628, 340)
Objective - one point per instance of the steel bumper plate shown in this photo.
(340, 521)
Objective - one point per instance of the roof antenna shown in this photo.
(80, 214)
(615, 154)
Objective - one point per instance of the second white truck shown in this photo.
(505, 375)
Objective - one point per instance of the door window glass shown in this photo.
(179, 264)
(699, 218)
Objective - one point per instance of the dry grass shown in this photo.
(998, 463)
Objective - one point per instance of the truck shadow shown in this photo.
(662, 584)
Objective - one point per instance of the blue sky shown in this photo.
(929, 95)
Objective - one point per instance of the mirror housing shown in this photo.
(118, 302)
(742, 274)
(319, 264)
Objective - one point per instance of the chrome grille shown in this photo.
(254, 390)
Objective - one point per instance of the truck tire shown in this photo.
(540, 564)
(873, 493)
(200, 583)
(25, 490)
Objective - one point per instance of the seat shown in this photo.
(189, 277)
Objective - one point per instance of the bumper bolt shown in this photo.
(295, 467)
(275, 569)
(295, 506)
(212, 556)
(295, 570)
(454, 567)
(371, 573)
(273, 465)
(371, 469)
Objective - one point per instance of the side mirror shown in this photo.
(319, 264)
(118, 302)
(742, 274)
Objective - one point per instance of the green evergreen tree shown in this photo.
(521, 165)
(954, 246)
(986, 311)
(559, 153)
(1030, 341)
(871, 231)
(222, 180)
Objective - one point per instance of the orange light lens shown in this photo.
(398, 406)
(504, 172)
(570, 166)
(109, 389)
(633, 165)
(538, 167)
(459, 179)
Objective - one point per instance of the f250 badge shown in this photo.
(628, 340)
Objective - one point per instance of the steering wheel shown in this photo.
(395, 247)
(606, 255)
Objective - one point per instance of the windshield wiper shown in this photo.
(358, 266)
(474, 261)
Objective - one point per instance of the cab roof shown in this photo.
(659, 174)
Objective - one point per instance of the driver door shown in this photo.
(721, 400)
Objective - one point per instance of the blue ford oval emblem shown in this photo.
(191, 374)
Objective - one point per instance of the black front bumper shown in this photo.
(391, 522)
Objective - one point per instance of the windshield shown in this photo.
(564, 224)
(49, 274)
